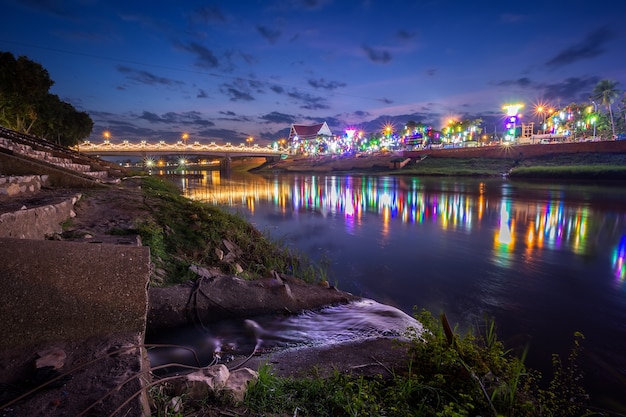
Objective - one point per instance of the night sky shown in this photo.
(227, 70)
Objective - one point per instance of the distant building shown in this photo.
(309, 138)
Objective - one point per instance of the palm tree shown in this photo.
(606, 92)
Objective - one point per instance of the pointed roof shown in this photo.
(309, 131)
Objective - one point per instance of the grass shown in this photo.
(580, 166)
(449, 374)
(181, 232)
(457, 167)
(570, 172)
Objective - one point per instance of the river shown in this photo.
(543, 260)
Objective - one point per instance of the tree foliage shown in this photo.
(606, 92)
(27, 106)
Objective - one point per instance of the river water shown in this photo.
(543, 260)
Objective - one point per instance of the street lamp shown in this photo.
(107, 135)
(185, 136)
(249, 140)
(540, 110)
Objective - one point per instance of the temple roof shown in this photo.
(309, 131)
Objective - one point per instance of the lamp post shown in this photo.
(185, 136)
(541, 111)
(249, 140)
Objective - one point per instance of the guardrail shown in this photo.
(162, 146)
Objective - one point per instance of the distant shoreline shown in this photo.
(568, 161)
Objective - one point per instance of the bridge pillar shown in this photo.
(225, 166)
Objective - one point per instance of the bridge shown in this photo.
(144, 149)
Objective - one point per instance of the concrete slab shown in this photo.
(87, 300)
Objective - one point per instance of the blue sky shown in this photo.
(227, 70)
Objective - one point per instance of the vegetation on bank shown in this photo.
(579, 166)
(449, 374)
(450, 167)
(181, 232)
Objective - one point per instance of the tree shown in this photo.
(27, 106)
(620, 122)
(24, 84)
(606, 92)
(59, 122)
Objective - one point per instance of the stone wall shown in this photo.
(37, 222)
(15, 185)
(19, 165)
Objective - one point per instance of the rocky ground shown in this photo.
(120, 206)
(102, 211)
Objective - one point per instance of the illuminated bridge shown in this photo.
(143, 148)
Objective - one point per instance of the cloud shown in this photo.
(378, 56)
(235, 94)
(241, 89)
(269, 34)
(202, 94)
(209, 14)
(276, 117)
(233, 117)
(520, 82)
(326, 85)
(310, 102)
(191, 118)
(573, 89)
(301, 4)
(591, 46)
(62, 9)
(277, 89)
(405, 35)
(226, 135)
(145, 77)
(204, 56)
(385, 100)
(361, 113)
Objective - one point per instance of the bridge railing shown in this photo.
(179, 146)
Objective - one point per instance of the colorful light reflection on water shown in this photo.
(543, 260)
(546, 224)
(619, 260)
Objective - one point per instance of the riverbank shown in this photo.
(576, 161)
(193, 244)
(372, 359)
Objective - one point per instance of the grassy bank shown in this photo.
(181, 232)
(449, 374)
(582, 166)
(477, 167)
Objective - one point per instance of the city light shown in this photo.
(512, 120)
